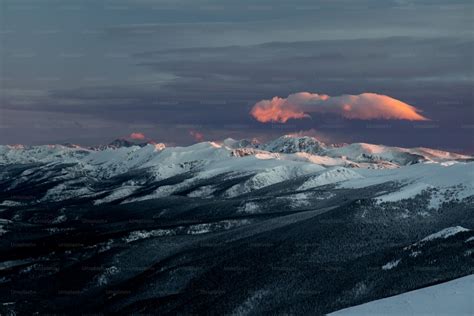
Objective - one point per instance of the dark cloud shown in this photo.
(208, 82)
(202, 65)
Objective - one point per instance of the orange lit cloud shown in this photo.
(276, 110)
(365, 106)
(197, 135)
(137, 136)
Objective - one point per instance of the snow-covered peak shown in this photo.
(362, 152)
(243, 143)
(124, 142)
(293, 144)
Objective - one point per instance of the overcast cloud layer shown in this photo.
(88, 72)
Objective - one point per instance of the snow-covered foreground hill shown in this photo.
(450, 298)
(292, 226)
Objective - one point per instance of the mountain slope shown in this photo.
(227, 228)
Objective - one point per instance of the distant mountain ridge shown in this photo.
(357, 151)
(288, 158)
(353, 154)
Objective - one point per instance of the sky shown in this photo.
(180, 71)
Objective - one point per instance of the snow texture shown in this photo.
(450, 298)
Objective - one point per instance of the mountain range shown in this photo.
(293, 225)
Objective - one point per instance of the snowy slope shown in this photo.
(292, 144)
(446, 182)
(438, 155)
(445, 233)
(333, 175)
(449, 298)
(268, 176)
(361, 152)
(45, 153)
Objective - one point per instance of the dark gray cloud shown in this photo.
(428, 72)
(172, 66)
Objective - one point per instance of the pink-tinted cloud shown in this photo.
(276, 110)
(197, 135)
(365, 106)
(137, 136)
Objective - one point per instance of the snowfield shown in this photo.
(453, 298)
